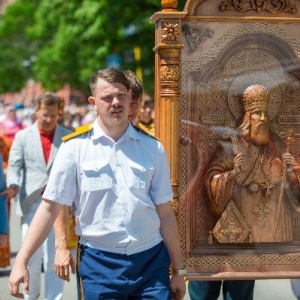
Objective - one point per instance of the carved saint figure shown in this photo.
(253, 179)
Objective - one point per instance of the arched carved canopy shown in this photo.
(261, 41)
(191, 6)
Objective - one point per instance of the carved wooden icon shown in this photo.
(224, 68)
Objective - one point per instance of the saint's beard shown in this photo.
(260, 134)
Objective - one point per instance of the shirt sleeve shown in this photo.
(62, 183)
(161, 189)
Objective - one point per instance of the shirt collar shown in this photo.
(130, 133)
(43, 133)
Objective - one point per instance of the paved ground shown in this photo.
(264, 289)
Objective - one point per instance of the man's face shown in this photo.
(111, 102)
(146, 113)
(259, 129)
(11, 114)
(134, 109)
(47, 117)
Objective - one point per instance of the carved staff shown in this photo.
(289, 139)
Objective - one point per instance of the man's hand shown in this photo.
(178, 287)
(289, 161)
(238, 160)
(18, 275)
(11, 191)
(62, 263)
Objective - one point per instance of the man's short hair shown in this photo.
(48, 99)
(110, 75)
(135, 85)
(148, 101)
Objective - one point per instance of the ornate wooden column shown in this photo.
(167, 74)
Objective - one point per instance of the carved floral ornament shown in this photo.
(169, 73)
(196, 36)
(270, 6)
(170, 32)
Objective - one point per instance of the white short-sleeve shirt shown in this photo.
(115, 187)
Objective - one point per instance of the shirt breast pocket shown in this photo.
(139, 175)
(96, 176)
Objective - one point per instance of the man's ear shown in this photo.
(91, 101)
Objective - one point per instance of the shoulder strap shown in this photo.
(144, 132)
(78, 131)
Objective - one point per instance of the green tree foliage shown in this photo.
(70, 39)
(16, 48)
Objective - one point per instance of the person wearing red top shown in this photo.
(30, 161)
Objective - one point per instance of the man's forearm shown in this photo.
(63, 257)
(61, 228)
(170, 234)
(38, 230)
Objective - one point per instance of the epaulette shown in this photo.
(78, 131)
(145, 132)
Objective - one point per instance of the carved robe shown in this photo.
(258, 194)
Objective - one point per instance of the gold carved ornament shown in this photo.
(272, 7)
(170, 32)
(169, 73)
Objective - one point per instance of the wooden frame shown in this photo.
(201, 54)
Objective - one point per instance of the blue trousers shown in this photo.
(110, 276)
(232, 290)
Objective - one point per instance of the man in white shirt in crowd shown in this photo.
(118, 178)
